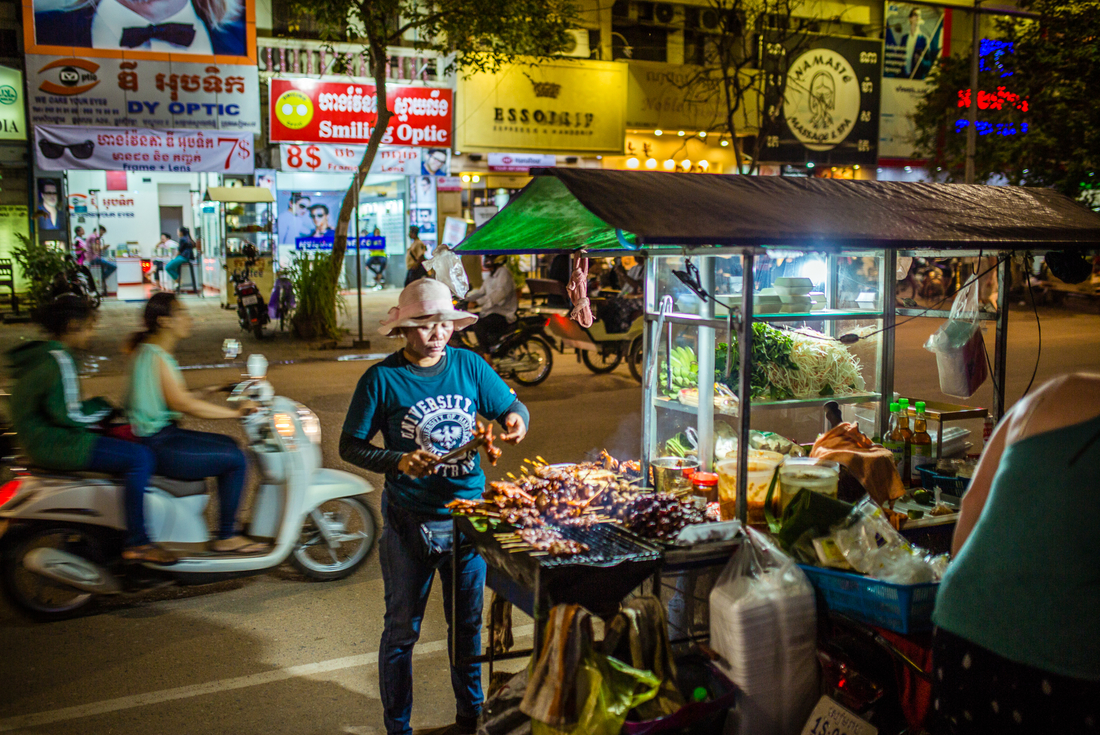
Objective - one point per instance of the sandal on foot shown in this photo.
(238, 545)
(149, 553)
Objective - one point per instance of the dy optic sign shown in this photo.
(308, 111)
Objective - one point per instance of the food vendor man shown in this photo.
(424, 400)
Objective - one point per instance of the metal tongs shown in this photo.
(471, 446)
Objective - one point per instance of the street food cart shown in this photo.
(234, 216)
(709, 238)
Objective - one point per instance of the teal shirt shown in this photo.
(145, 404)
(1026, 584)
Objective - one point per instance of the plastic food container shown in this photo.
(820, 476)
(760, 476)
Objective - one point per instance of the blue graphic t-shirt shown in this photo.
(431, 410)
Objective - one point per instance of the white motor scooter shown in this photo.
(64, 532)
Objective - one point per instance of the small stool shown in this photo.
(194, 288)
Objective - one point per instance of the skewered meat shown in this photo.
(485, 431)
(551, 540)
(659, 516)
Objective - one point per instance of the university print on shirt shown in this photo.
(440, 425)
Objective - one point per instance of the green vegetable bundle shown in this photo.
(769, 345)
(685, 371)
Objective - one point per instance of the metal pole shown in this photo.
(1000, 352)
(358, 260)
(972, 113)
(705, 422)
(649, 391)
(744, 392)
(887, 341)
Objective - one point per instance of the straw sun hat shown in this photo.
(425, 301)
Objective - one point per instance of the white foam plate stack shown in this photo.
(765, 630)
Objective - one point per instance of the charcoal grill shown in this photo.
(615, 564)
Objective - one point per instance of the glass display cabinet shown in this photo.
(820, 330)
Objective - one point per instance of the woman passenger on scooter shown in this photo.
(157, 398)
(57, 429)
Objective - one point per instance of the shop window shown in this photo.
(641, 43)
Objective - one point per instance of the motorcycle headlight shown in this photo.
(311, 425)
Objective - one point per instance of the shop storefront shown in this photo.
(321, 129)
(131, 137)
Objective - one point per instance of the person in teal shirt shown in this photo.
(424, 400)
(157, 398)
(1017, 643)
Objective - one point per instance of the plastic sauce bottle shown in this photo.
(921, 443)
(905, 469)
(892, 439)
(704, 486)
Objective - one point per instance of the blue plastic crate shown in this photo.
(902, 608)
(930, 479)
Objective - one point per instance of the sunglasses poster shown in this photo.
(62, 148)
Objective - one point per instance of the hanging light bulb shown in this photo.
(725, 143)
(632, 162)
(704, 164)
(680, 133)
(686, 164)
(651, 163)
(702, 133)
(466, 178)
(658, 132)
(475, 178)
(670, 164)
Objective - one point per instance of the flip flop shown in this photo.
(149, 553)
(239, 545)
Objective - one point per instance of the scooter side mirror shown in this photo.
(257, 366)
(231, 348)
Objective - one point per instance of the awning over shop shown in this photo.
(572, 209)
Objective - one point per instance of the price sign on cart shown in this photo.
(830, 718)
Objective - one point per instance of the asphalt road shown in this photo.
(277, 654)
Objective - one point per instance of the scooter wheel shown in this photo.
(634, 359)
(601, 363)
(258, 330)
(336, 538)
(43, 599)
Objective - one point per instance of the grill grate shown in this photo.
(607, 545)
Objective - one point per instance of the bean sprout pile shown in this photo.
(825, 367)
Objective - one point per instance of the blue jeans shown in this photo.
(174, 266)
(135, 463)
(196, 455)
(411, 549)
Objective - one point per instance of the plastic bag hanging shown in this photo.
(448, 269)
(959, 346)
(578, 293)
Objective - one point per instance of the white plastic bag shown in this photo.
(448, 270)
(763, 623)
(959, 346)
(872, 546)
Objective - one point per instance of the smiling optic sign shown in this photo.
(308, 111)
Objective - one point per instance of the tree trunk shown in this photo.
(377, 51)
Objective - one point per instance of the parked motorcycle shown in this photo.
(524, 353)
(65, 531)
(251, 307)
(76, 279)
(599, 351)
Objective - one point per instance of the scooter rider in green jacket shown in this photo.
(57, 429)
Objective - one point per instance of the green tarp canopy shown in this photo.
(568, 209)
(543, 218)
